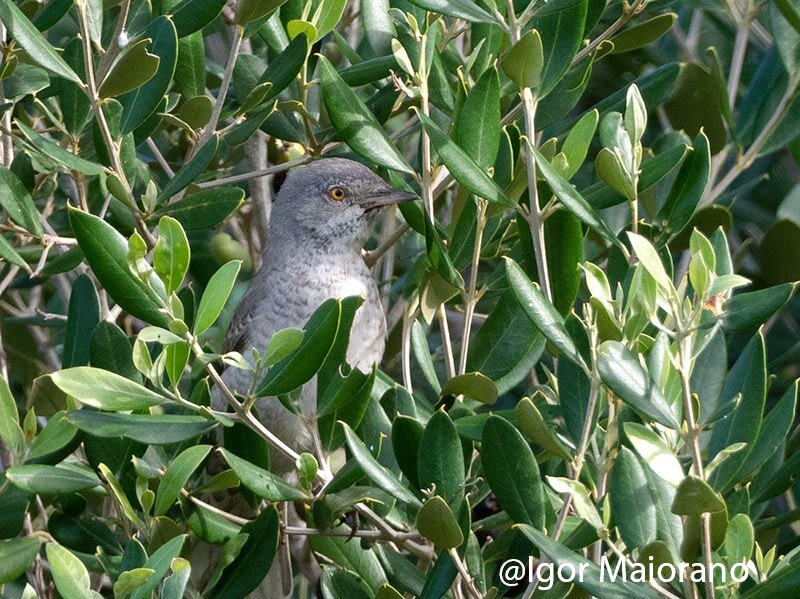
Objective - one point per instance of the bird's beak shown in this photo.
(395, 196)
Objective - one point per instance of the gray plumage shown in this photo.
(313, 254)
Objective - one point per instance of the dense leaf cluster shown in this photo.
(593, 351)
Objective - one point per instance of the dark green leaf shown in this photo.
(66, 160)
(299, 367)
(747, 310)
(205, 208)
(176, 475)
(440, 462)
(160, 429)
(510, 468)
(15, 557)
(262, 482)
(377, 473)
(52, 480)
(478, 123)
(355, 124)
(561, 24)
(190, 16)
(82, 317)
(644, 33)
(18, 203)
(689, 186)
(624, 375)
(541, 312)
(437, 523)
(695, 497)
(143, 101)
(191, 170)
(133, 69)
(107, 254)
(38, 48)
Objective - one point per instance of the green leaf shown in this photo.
(205, 208)
(111, 350)
(190, 16)
(524, 62)
(52, 480)
(107, 254)
(506, 346)
(191, 170)
(541, 312)
(474, 385)
(650, 260)
(300, 366)
(569, 196)
(377, 473)
(534, 426)
(159, 562)
(478, 123)
(151, 429)
(747, 310)
(282, 344)
(28, 37)
(774, 430)
(437, 523)
(10, 431)
(18, 203)
(689, 186)
(643, 34)
(462, 9)
(69, 574)
(130, 580)
(600, 195)
(611, 170)
(581, 501)
(576, 145)
(216, 295)
(171, 255)
(511, 471)
(592, 580)
(252, 10)
(748, 380)
(355, 123)
(561, 26)
(634, 510)
(15, 557)
(462, 167)
(67, 160)
(655, 451)
(140, 103)
(739, 539)
(695, 105)
(262, 482)
(696, 497)
(82, 317)
(177, 475)
(624, 375)
(327, 16)
(245, 573)
(134, 68)
(10, 255)
(175, 585)
(283, 70)
(440, 461)
(104, 390)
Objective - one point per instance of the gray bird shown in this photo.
(321, 219)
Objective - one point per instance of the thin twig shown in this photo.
(270, 170)
(211, 126)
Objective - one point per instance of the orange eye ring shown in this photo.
(337, 194)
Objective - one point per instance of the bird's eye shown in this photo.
(337, 193)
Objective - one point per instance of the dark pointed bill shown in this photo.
(395, 196)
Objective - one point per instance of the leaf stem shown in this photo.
(471, 297)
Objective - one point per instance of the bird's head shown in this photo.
(334, 201)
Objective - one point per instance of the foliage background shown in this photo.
(141, 146)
